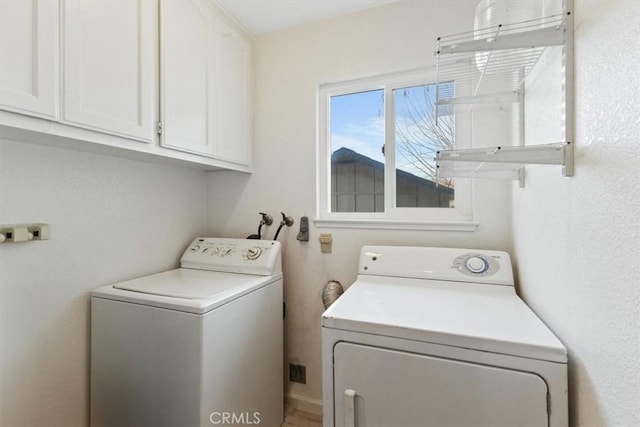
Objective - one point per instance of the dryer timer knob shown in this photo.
(475, 264)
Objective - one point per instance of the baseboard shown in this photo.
(304, 404)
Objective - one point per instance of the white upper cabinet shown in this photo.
(205, 83)
(29, 57)
(233, 101)
(108, 74)
(187, 75)
(109, 66)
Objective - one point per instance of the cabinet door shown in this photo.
(109, 66)
(187, 76)
(29, 57)
(380, 387)
(233, 101)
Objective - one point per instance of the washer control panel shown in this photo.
(233, 255)
(222, 250)
(477, 264)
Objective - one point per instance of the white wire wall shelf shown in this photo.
(499, 162)
(490, 66)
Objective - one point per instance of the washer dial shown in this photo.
(254, 253)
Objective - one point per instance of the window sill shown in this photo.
(390, 224)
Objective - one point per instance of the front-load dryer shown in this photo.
(196, 346)
(436, 337)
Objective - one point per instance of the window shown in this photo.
(377, 142)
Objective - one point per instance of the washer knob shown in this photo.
(254, 253)
(475, 264)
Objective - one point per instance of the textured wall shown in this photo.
(577, 239)
(289, 66)
(112, 219)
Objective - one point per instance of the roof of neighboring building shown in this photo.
(347, 155)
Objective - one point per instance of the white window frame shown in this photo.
(459, 218)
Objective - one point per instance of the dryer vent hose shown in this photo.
(331, 292)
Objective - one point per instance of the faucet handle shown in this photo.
(286, 220)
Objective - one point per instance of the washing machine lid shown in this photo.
(184, 289)
(466, 315)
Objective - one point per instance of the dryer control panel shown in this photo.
(452, 264)
(259, 257)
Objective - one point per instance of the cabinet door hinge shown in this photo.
(159, 128)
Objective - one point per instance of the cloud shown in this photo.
(374, 128)
(366, 139)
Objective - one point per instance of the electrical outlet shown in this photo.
(297, 373)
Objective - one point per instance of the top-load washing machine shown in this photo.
(195, 346)
(438, 337)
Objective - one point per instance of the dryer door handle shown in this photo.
(350, 408)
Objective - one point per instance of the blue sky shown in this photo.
(357, 122)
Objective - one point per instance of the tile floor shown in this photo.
(295, 418)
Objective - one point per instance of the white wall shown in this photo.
(289, 66)
(577, 239)
(112, 219)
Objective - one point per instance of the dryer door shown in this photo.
(381, 387)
